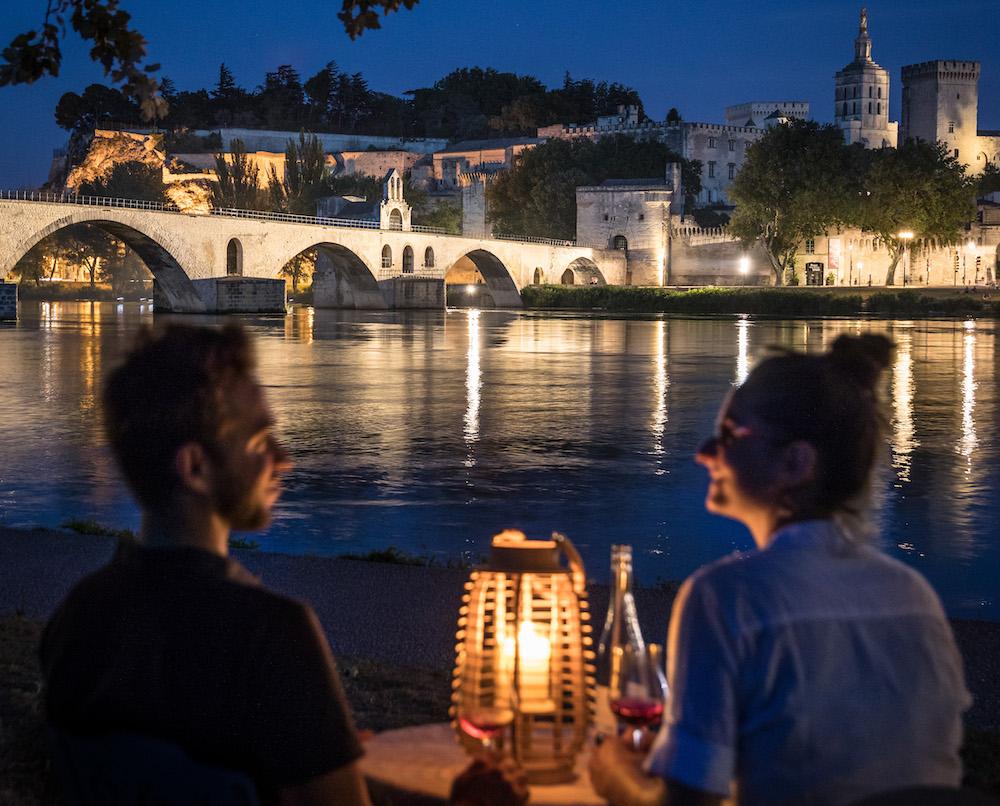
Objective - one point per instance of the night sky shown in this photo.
(699, 57)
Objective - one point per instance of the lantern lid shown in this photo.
(512, 552)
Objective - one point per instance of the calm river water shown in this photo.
(432, 431)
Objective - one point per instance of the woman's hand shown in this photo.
(616, 769)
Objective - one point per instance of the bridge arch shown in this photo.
(341, 279)
(583, 271)
(495, 275)
(174, 289)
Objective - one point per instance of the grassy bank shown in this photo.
(76, 292)
(760, 301)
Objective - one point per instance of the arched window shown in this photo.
(407, 260)
(234, 257)
(395, 220)
(428, 258)
(567, 277)
(538, 276)
(386, 257)
(619, 242)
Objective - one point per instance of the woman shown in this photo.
(814, 669)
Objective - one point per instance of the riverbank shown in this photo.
(84, 292)
(835, 301)
(391, 626)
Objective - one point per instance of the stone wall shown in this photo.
(408, 293)
(241, 294)
(374, 163)
(270, 140)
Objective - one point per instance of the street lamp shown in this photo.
(905, 236)
(744, 268)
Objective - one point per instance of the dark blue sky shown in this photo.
(697, 56)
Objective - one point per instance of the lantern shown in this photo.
(523, 657)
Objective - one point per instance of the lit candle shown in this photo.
(533, 674)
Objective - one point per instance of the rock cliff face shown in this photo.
(191, 196)
(108, 149)
(191, 193)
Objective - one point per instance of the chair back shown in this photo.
(128, 768)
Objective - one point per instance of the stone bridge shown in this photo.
(352, 256)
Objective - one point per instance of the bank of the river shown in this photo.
(83, 292)
(766, 301)
(391, 625)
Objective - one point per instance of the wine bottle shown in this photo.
(621, 630)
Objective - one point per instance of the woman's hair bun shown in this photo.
(862, 357)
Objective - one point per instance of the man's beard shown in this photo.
(234, 500)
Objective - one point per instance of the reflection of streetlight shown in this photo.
(970, 247)
(744, 268)
(905, 236)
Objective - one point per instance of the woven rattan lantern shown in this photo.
(524, 650)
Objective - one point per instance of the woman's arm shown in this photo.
(616, 774)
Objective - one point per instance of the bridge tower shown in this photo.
(394, 211)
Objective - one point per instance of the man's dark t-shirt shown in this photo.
(184, 645)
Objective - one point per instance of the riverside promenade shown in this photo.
(403, 615)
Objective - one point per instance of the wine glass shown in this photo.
(639, 690)
(486, 723)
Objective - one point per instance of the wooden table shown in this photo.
(417, 765)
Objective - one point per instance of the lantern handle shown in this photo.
(575, 562)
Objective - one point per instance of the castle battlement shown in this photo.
(951, 69)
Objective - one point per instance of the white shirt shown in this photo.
(813, 671)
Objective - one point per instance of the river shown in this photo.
(431, 431)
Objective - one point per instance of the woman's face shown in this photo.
(742, 463)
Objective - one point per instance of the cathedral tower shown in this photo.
(861, 96)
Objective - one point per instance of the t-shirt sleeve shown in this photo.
(696, 744)
(300, 723)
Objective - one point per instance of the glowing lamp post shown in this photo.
(523, 659)
(906, 236)
(744, 268)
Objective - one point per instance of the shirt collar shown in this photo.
(819, 533)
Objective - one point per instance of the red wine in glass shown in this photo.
(486, 724)
(637, 711)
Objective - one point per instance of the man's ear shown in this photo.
(798, 463)
(193, 468)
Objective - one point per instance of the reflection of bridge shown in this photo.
(352, 256)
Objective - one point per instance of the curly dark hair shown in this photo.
(171, 389)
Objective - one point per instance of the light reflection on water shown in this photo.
(430, 431)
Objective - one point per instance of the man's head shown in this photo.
(186, 418)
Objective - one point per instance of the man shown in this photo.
(174, 639)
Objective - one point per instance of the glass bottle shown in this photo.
(621, 631)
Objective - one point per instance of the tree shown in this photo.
(538, 196)
(238, 185)
(121, 50)
(89, 247)
(128, 180)
(305, 177)
(673, 116)
(989, 180)
(299, 268)
(445, 215)
(39, 262)
(98, 104)
(798, 180)
(281, 99)
(918, 187)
